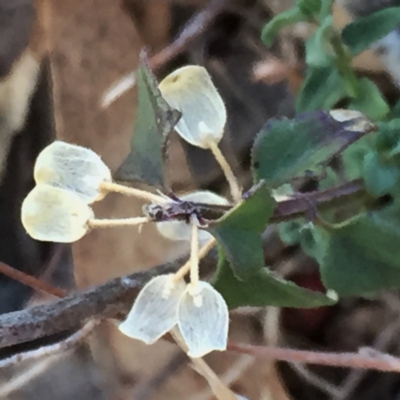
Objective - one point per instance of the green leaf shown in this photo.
(281, 20)
(388, 138)
(264, 289)
(321, 89)
(309, 7)
(154, 121)
(380, 177)
(239, 232)
(286, 149)
(369, 100)
(364, 31)
(317, 46)
(363, 256)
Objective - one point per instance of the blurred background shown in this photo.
(57, 59)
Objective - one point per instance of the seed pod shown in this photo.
(52, 214)
(72, 167)
(203, 320)
(180, 230)
(191, 91)
(155, 311)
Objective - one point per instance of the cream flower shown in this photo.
(191, 91)
(72, 167)
(201, 315)
(53, 214)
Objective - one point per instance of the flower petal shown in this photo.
(191, 91)
(155, 310)
(203, 320)
(180, 230)
(72, 167)
(52, 214)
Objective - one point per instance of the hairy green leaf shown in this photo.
(363, 256)
(364, 31)
(317, 46)
(154, 121)
(264, 289)
(286, 149)
(288, 17)
(369, 100)
(380, 176)
(321, 89)
(239, 232)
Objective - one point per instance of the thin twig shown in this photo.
(234, 372)
(113, 299)
(52, 349)
(375, 361)
(220, 390)
(315, 380)
(194, 27)
(31, 281)
(24, 377)
(381, 343)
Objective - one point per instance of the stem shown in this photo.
(194, 254)
(229, 175)
(31, 281)
(202, 253)
(219, 389)
(109, 223)
(364, 359)
(343, 62)
(129, 191)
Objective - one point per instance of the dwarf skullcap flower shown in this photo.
(203, 319)
(190, 90)
(179, 230)
(52, 214)
(72, 167)
(154, 312)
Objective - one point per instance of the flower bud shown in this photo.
(52, 214)
(203, 319)
(180, 230)
(191, 91)
(155, 311)
(72, 167)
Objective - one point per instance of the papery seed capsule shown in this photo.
(203, 324)
(179, 230)
(72, 167)
(52, 214)
(155, 311)
(191, 91)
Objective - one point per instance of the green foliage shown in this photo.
(363, 255)
(365, 31)
(286, 18)
(154, 121)
(321, 89)
(264, 288)
(239, 232)
(368, 99)
(356, 240)
(287, 149)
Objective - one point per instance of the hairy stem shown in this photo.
(129, 191)
(226, 168)
(109, 223)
